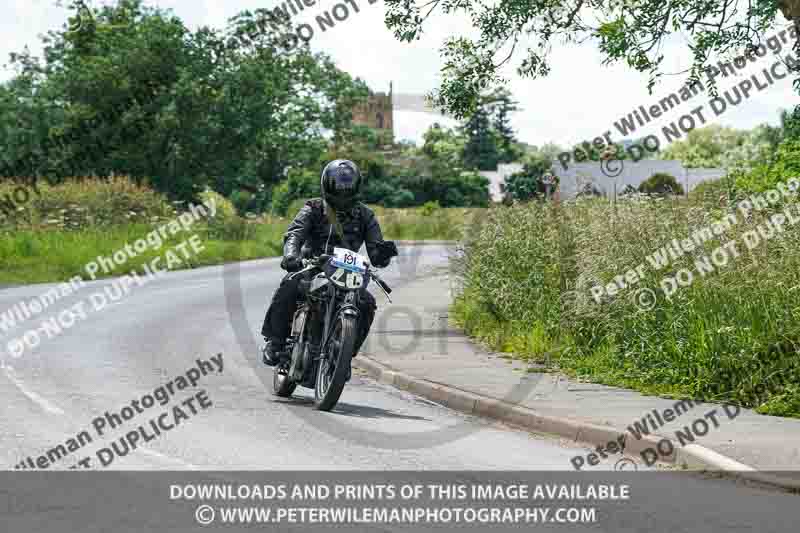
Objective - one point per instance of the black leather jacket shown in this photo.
(311, 228)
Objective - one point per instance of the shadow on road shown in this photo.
(365, 411)
(349, 410)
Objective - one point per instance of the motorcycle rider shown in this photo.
(336, 219)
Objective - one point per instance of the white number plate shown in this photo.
(349, 260)
(347, 279)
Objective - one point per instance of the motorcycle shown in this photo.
(324, 328)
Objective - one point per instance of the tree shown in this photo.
(706, 147)
(134, 91)
(785, 165)
(631, 31)
(480, 150)
(528, 183)
(790, 124)
(444, 147)
(549, 150)
(789, 128)
(754, 150)
(300, 184)
(661, 183)
(502, 107)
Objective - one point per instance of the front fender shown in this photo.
(345, 310)
(349, 310)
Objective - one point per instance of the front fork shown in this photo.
(349, 307)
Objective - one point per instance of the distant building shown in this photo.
(578, 176)
(377, 112)
(497, 179)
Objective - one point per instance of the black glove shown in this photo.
(291, 263)
(386, 250)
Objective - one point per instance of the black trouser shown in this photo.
(277, 322)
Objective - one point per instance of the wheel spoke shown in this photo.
(336, 355)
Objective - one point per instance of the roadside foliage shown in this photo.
(51, 232)
(730, 335)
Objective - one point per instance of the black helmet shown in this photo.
(341, 183)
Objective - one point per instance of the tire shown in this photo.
(331, 381)
(282, 386)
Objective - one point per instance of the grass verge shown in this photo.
(57, 231)
(731, 335)
(30, 256)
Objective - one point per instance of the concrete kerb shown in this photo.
(692, 456)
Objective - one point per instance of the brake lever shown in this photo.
(382, 284)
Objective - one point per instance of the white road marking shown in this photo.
(55, 410)
(41, 402)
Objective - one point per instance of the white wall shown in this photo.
(630, 174)
(498, 178)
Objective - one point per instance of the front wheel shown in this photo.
(334, 367)
(282, 384)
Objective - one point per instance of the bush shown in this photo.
(661, 183)
(79, 203)
(388, 184)
(429, 208)
(463, 189)
(786, 165)
(527, 183)
(713, 192)
(730, 336)
(226, 224)
(300, 185)
(400, 198)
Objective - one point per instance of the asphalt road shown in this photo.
(52, 393)
(157, 333)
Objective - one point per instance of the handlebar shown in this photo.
(387, 289)
(316, 262)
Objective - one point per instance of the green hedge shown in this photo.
(399, 190)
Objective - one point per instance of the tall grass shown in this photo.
(732, 335)
(429, 222)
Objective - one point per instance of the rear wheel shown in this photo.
(334, 368)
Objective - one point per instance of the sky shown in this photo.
(579, 100)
